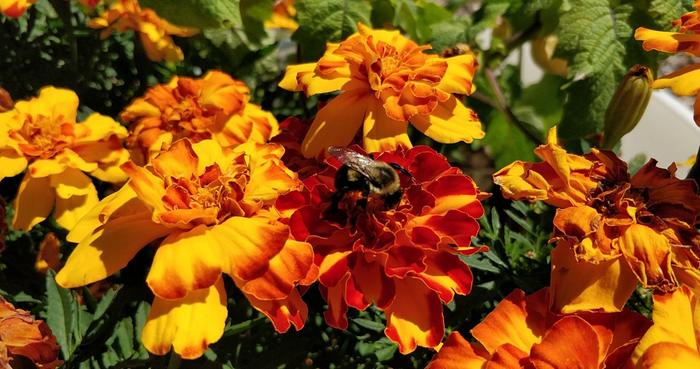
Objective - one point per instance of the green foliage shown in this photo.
(202, 13)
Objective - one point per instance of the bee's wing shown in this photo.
(354, 160)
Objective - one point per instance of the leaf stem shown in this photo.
(174, 361)
(502, 105)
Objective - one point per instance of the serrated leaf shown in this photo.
(59, 314)
(198, 13)
(369, 324)
(332, 19)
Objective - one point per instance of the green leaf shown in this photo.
(59, 313)
(506, 142)
(332, 19)
(596, 37)
(369, 324)
(198, 13)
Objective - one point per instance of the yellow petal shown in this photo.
(71, 182)
(108, 249)
(70, 210)
(668, 355)
(302, 77)
(46, 167)
(58, 103)
(648, 254)
(684, 82)
(34, 202)
(336, 123)
(12, 163)
(149, 188)
(584, 286)
(459, 75)
(188, 324)
(449, 122)
(185, 261)
(98, 127)
(382, 133)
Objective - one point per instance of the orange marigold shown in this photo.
(404, 260)
(21, 336)
(521, 333)
(612, 230)
(208, 210)
(283, 13)
(674, 339)
(215, 106)
(15, 8)
(42, 135)
(685, 81)
(154, 31)
(386, 81)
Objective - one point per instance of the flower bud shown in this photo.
(627, 105)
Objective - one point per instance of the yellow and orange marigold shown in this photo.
(685, 81)
(521, 333)
(612, 229)
(386, 81)
(24, 338)
(283, 13)
(42, 136)
(674, 339)
(215, 106)
(15, 8)
(404, 260)
(208, 212)
(155, 32)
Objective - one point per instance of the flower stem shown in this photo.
(174, 361)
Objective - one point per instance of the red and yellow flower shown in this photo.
(521, 333)
(42, 136)
(612, 230)
(155, 32)
(15, 8)
(685, 81)
(674, 339)
(283, 13)
(208, 212)
(24, 338)
(215, 106)
(405, 260)
(386, 81)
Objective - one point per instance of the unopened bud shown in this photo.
(627, 105)
(5, 100)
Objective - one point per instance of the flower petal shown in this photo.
(682, 82)
(336, 123)
(179, 161)
(447, 274)
(450, 122)
(72, 182)
(668, 355)
(69, 211)
(34, 202)
(668, 42)
(382, 133)
(282, 313)
(148, 187)
(189, 324)
(335, 316)
(571, 343)
(415, 316)
(648, 254)
(457, 353)
(459, 75)
(302, 77)
(108, 249)
(184, 262)
(584, 286)
(12, 163)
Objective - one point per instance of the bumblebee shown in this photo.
(360, 173)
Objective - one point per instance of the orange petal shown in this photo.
(447, 274)
(668, 42)
(302, 77)
(185, 261)
(457, 353)
(382, 133)
(335, 316)
(584, 286)
(517, 320)
(450, 122)
(179, 161)
(34, 202)
(148, 187)
(459, 75)
(369, 284)
(414, 318)
(283, 313)
(189, 324)
(336, 123)
(667, 355)
(108, 249)
(507, 356)
(287, 268)
(571, 343)
(648, 254)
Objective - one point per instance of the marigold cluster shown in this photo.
(155, 32)
(386, 81)
(612, 230)
(404, 261)
(24, 338)
(15, 8)
(685, 81)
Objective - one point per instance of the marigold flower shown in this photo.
(15, 8)
(612, 230)
(674, 339)
(386, 81)
(21, 336)
(405, 260)
(292, 131)
(685, 81)
(521, 333)
(154, 31)
(283, 14)
(42, 135)
(215, 106)
(210, 210)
